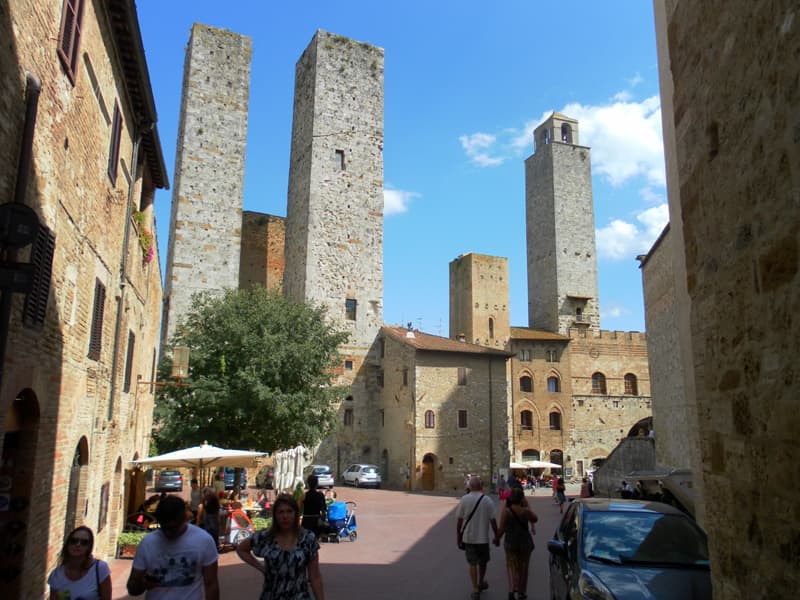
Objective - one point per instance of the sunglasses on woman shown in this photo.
(79, 541)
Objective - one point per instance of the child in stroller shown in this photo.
(341, 523)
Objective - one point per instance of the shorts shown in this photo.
(518, 558)
(477, 554)
(561, 497)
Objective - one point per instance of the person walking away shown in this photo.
(209, 514)
(195, 497)
(79, 574)
(586, 488)
(517, 525)
(554, 485)
(290, 553)
(314, 506)
(561, 496)
(177, 561)
(475, 514)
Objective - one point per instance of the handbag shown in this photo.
(462, 546)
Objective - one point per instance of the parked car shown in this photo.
(169, 481)
(323, 473)
(230, 472)
(618, 549)
(361, 475)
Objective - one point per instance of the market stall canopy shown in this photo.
(541, 464)
(516, 465)
(200, 457)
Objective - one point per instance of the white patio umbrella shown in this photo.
(541, 464)
(201, 457)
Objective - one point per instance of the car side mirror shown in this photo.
(557, 548)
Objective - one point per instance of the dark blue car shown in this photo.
(607, 549)
(230, 472)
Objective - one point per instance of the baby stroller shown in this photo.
(238, 528)
(341, 523)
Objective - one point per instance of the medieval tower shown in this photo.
(479, 300)
(334, 219)
(562, 267)
(206, 222)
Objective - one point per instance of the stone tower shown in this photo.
(562, 266)
(334, 221)
(334, 217)
(479, 300)
(206, 221)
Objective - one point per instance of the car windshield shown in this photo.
(322, 470)
(627, 537)
(369, 470)
(170, 474)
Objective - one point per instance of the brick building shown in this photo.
(79, 148)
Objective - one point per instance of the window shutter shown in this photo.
(113, 150)
(126, 387)
(70, 36)
(34, 310)
(96, 335)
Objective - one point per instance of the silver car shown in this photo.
(323, 473)
(362, 475)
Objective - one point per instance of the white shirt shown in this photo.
(85, 587)
(177, 563)
(477, 530)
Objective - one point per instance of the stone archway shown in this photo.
(429, 472)
(17, 464)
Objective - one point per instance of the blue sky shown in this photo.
(464, 87)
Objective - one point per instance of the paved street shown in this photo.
(405, 549)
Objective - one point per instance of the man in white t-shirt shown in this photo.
(475, 515)
(177, 561)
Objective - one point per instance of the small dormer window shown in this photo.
(491, 328)
(579, 315)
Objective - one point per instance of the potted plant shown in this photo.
(127, 542)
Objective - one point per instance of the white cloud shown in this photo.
(613, 312)
(396, 202)
(478, 147)
(624, 135)
(635, 80)
(620, 240)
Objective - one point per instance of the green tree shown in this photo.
(260, 374)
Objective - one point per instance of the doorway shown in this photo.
(429, 472)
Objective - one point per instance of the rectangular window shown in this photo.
(405, 376)
(383, 418)
(348, 365)
(126, 386)
(69, 36)
(379, 378)
(616, 403)
(552, 356)
(462, 419)
(350, 306)
(462, 376)
(96, 332)
(525, 355)
(34, 309)
(339, 163)
(348, 417)
(113, 149)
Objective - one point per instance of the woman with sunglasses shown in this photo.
(79, 574)
(290, 553)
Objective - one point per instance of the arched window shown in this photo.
(526, 420)
(430, 419)
(555, 420)
(525, 384)
(566, 133)
(491, 328)
(553, 384)
(546, 136)
(598, 383)
(530, 455)
(631, 385)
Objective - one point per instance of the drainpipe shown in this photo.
(123, 267)
(33, 88)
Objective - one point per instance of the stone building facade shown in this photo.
(263, 239)
(206, 221)
(76, 396)
(733, 149)
(443, 410)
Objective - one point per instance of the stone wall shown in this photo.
(55, 401)
(262, 260)
(737, 155)
(206, 219)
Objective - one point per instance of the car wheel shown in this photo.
(358, 483)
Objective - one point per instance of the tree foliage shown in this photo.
(260, 374)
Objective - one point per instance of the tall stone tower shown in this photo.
(562, 266)
(334, 220)
(206, 222)
(334, 217)
(479, 300)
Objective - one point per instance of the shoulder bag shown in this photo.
(464, 528)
